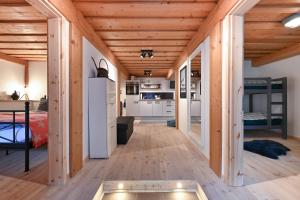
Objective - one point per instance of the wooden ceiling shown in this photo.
(196, 62)
(165, 26)
(23, 31)
(264, 32)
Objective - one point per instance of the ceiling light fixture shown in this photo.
(143, 54)
(147, 53)
(147, 73)
(292, 21)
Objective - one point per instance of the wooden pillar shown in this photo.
(57, 111)
(215, 160)
(233, 91)
(76, 101)
(26, 74)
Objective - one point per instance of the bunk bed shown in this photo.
(269, 120)
(22, 129)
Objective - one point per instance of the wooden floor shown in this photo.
(158, 152)
(12, 165)
(273, 179)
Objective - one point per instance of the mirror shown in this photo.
(195, 98)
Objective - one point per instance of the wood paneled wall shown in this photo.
(76, 104)
(216, 99)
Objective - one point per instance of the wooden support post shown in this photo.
(233, 91)
(57, 92)
(26, 74)
(76, 104)
(216, 100)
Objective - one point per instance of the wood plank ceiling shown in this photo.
(127, 26)
(23, 30)
(264, 31)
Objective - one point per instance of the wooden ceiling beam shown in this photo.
(137, 54)
(142, 24)
(154, 48)
(279, 2)
(68, 9)
(24, 12)
(13, 45)
(24, 51)
(155, 58)
(149, 9)
(23, 38)
(23, 28)
(216, 15)
(13, 59)
(278, 55)
(13, 3)
(146, 35)
(146, 42)
(126, 1)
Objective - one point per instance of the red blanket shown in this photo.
(38, 124)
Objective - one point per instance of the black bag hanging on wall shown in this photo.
(101, 72)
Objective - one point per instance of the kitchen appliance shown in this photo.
(172, 84)
(132, 88)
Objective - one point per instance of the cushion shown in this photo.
(267, 148)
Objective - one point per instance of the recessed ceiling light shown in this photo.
(292, 21)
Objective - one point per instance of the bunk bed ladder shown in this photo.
(283, 104)
(269, 102)
(284, 108)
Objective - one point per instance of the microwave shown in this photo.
(132, 88)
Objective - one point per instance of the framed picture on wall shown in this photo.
(183, 84)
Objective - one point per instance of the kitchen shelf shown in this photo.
(150, 86)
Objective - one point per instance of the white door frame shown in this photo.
(58, 91)
(204, 49)
(232, 92)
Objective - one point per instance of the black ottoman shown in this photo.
(124, 129)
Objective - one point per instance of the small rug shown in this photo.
(267, 148)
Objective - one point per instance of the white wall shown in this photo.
(11, 78)
(37, 86)
(205, 97)
(285, 68)
(89, 70)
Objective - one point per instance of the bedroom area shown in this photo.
(23, 93)
(271, 94)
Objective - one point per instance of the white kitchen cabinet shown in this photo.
(133, 105)
(157, 108)
(102, 117)
(195, 108)
(146, 108)
(168, 108)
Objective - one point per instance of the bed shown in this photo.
(22, 129)
(260, 119)
(269, 120)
